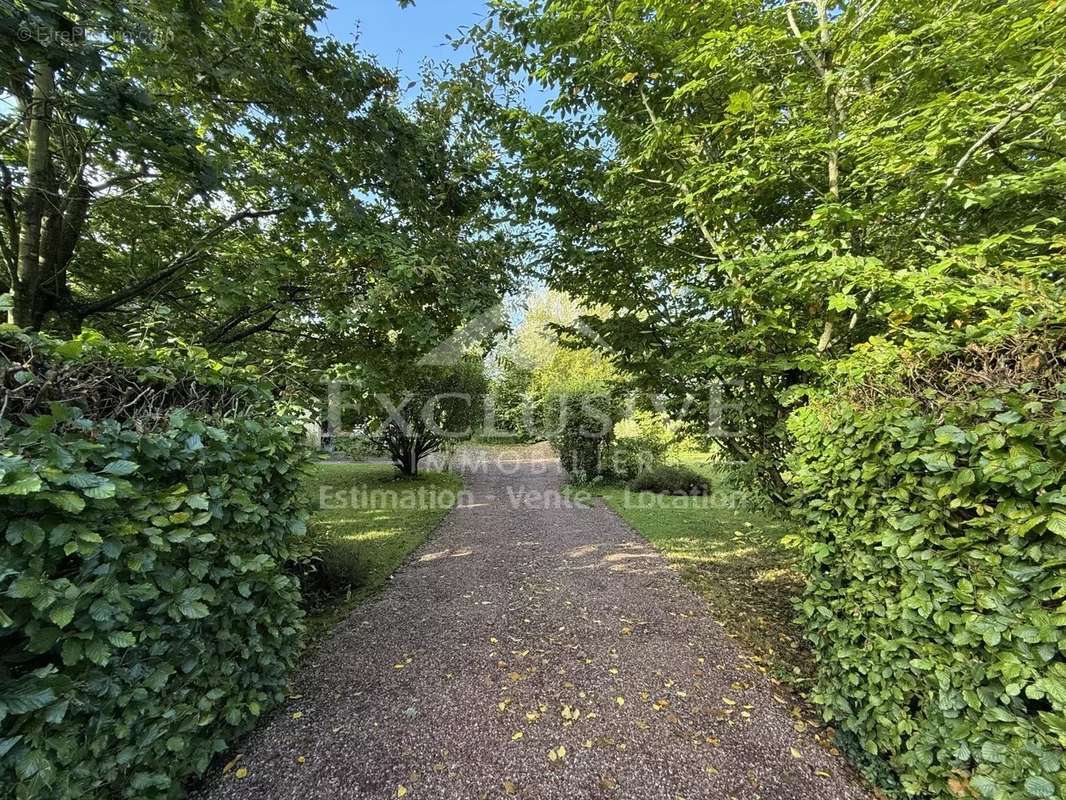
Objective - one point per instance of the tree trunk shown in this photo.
(41, 202)
(48, 222)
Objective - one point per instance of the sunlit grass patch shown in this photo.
(366, 520)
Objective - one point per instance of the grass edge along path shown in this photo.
(735, 560)
(366, 521)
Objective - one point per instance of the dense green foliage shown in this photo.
(224, 172)
(746, 210)
(755, 188)
(934, 518)
(580, 426)
(670, 479)
(149, 502)
(426, 408)
(543, 357)
(767, 196)
(640, 442)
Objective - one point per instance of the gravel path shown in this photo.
(535, 649)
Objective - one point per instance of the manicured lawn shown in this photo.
(367, 519)
(735, 559)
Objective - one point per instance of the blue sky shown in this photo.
(401, 38)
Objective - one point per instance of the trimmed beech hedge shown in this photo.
(935, 534)
(146, 619)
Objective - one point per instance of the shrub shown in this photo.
(357, 448)
(149, 500)
(580, 426)
(434, 406)
(667, 479)
(640, 442)
(509, 395)
(934, 520)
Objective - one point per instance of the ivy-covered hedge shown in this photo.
(146, 619)
(934, 519)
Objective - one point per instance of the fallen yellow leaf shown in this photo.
(401, 790)
(608, 782)
(241, 774)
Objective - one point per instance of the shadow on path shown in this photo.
(533, 648)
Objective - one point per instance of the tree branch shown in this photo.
(123, 178)
(251, 330)
(190, 256)
(810, 55)
(960, 165)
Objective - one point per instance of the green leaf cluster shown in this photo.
(225, 173)
(935, 540)
(580, 426)
(756, 189)
(146, 617)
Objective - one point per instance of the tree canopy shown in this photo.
(224, 174)
(756, 189)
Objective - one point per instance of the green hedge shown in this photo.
(580, 426)
(935, 531)
(146, 619)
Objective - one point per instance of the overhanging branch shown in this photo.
(190, 256)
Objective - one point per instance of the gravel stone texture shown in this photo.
(533, 648)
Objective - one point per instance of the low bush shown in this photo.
(149, 501)
(934, 520)
(640, 442)
(669, 479)
(580, 427)
(357, 448)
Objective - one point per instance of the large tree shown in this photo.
(757, 188)
(219, 170)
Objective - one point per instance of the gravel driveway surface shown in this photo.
(533, 648)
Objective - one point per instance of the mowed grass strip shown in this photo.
(366, 521)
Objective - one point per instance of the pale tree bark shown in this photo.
(822, 61)
(40, 197)
(43, 225)
(43, 221)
